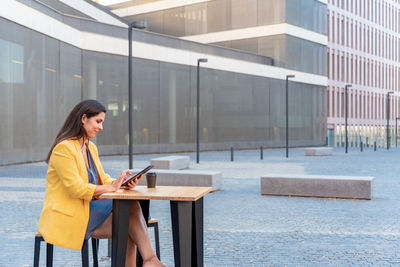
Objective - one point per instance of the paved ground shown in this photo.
(243, 228)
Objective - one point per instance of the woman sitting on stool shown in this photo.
(75, 177)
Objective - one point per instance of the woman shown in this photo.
(75, 177)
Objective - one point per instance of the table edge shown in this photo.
(126, 197)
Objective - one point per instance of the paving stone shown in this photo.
(242, 228)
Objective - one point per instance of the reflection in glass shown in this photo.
(11, 62)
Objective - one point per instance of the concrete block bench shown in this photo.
(317, 186)
(186, 178)
(171, 162)
(318, 151)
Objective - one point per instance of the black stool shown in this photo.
(154, 223)
(49, 252)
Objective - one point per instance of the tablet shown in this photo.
(131, 177)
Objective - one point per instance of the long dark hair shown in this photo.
(73, 127)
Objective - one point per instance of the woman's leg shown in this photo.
(138, 236)
(105, 231)
(130, 253)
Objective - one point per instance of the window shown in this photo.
(351, 35)
(347, 33)
(333, 27)
(328, 102)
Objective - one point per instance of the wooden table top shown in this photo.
(178, 193)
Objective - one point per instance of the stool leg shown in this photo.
(36, 254)
(157, 239)
(85, 254)
(109, 247)
(95, 245)
(49, 255)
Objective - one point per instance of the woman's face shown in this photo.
(93, 125)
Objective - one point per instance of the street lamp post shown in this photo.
(136, 25)
(346, 110)
(287, 113)
(388, 117)
(200, 60)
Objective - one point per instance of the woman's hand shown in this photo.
(117, 183)
(133, 183)
(101, 189)
(120, 180)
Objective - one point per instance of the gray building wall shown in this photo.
(41, 79)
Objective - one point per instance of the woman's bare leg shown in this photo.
(130, 253)
(104, 230)
(138, 237)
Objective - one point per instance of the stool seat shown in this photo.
(85, 251)
(50, 249)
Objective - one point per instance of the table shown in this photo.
(186, 217)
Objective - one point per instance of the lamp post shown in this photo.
(200, 60)
(136, 25)
(397, 118)
(388, 117)
(346, 110)
(287, 113)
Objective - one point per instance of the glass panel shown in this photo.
(219, 17)
(277, 116)
(249, 45)
(271, 12)
(196, 19)
(146, 100)
(274, 47)
(244, 13)
(174, 21)
(310, 14)
(108, 83)
(175, 110)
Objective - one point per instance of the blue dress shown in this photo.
(100, 209)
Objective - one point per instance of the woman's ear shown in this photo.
(84, 118)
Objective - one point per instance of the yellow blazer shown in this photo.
(65, 212)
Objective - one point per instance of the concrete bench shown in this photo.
(171, 162)
(186, 178)
(318, 151)
(317, 186)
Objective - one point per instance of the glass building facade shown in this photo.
(42, 78)
(286, 51)
(225, 15)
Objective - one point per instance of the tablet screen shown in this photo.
(134, 176)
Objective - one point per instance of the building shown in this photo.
(363, 50)
(55, 53)
(291, 32)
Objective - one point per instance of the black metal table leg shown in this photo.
(197, 233)
(181, 217)
(120, 225)
(145, 206)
